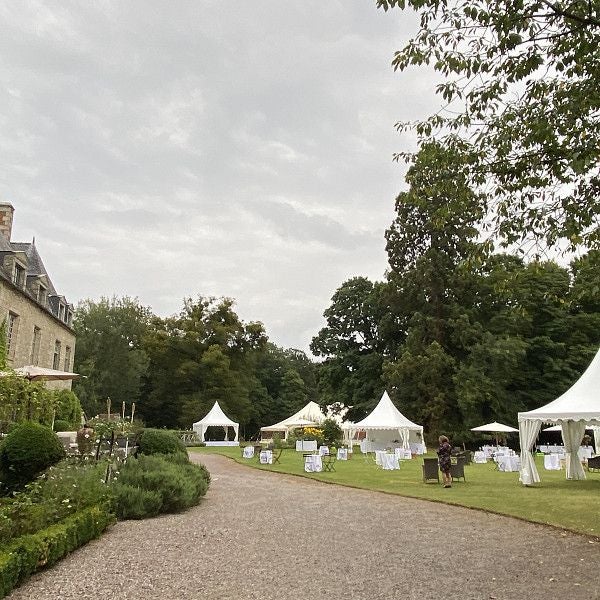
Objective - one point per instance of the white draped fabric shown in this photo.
(572, 433)
(528, 432)
(596, 430)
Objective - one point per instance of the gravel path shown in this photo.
(263, 535)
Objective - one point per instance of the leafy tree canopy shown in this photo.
(523, 108)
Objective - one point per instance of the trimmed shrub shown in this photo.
(25, 452)
(29, 553)
(158, 441)
(136, 503)
(179, 486)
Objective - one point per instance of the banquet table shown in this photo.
(389, 462)
(552, 462)
(503, 451)
(249, 452)
(479, 457)
(266, 457)
(313, 463)
(417, 448)
(508, 463)
(378, 456)
(342, 454)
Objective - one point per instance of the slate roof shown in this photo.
(35, 268)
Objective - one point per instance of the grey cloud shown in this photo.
(243, 149)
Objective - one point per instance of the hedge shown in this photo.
(29, 553)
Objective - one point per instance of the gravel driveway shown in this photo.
(262, 535)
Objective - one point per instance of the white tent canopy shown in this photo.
(495, 427)
(577, 407)
(385, 420)
(308, 415)
(216, 418)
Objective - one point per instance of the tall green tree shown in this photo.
(521, 103)
(204, 354)
(352, 345)
(110, 351)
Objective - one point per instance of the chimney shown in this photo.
(6, 219)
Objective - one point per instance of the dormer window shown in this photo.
(42, 295)
(61, 312)
(18, 275)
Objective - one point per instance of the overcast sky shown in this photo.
(242, 149)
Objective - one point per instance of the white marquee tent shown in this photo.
(216, 418)
(386, 424)
(311, 414)
(577, 407)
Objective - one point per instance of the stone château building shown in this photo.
(38, 320)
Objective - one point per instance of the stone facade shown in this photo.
(38, 321)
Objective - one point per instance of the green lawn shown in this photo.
(573, 505)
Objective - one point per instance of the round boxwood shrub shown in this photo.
(159, 441)
(25, 452)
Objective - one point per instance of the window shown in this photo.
(11, 333)
(67, 358)
(56, 359)
(35, 346)
(61, 312)
(18, 275)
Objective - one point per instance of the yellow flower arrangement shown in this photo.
(312, 432)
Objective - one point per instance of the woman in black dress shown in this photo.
(443, 453)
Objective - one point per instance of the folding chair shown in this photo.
(329, 463)
(276, 456)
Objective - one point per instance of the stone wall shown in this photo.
(30, 315)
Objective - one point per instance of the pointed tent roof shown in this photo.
(386, 416)
(307, 415)
(216, 416)
(581, 402)
(311, 414)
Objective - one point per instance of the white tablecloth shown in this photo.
(503, 451)
(342, 454)
(552, 462)
(313, 463)
(306, 446)
(417, 448)
(479, 457)
(378, 456)
(585, 452)
(266, 457)
(508, 463)
(324, 450)
(489, 451)
(249, 452)
(389, 462)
